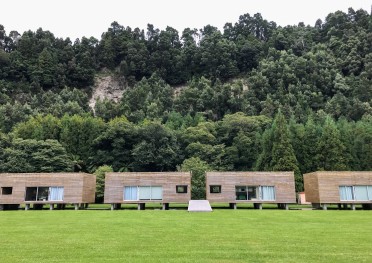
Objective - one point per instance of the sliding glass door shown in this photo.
(247, 192)
(44, 193)
(143, 193)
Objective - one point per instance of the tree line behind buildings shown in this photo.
(255, 96)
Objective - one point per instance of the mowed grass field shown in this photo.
(224, 235)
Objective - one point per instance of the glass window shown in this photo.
(346, 193)
(181, 189)
(370, 192)
(6, 190)
(361, 192)
(267, 193)
(144, 192)
(241, 192)
(31, 193)
(215, 189)
(56, 193)
(42, 193)
(252, 192)
(156, 193)
(130, 193)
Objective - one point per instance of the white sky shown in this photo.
(77, 18)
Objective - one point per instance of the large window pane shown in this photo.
(361, 192)
(156, 193)
(241, 192)
(370, 192)
(130, 193)
(56, 193)
(31, 193)
(252, 192)
(144, 192)
(267, 193)
(42, 193)
(346, 193)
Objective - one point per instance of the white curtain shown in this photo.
(361, 192)
(346, 193)
(267, 193)
(130, 193)
(156, 193)
(56, 193)
(370, 192)
(144, 192)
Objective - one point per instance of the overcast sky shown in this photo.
(77, 18)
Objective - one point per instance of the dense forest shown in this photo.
(256, 96)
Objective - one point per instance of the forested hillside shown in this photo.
(256, 96)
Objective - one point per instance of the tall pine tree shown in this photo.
(311, 137)
(278, 153)
(330, 149)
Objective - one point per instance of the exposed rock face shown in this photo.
(108, 87)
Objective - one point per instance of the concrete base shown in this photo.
(199, 206)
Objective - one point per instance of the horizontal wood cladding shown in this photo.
(283, 182)
(323, 186)
(115, 183)
(78, 187)
(311, 187)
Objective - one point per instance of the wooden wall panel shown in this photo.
(115, 182)
(311, 188)
(283, 182)
(323, 186)
(89, 189)
(73, 183)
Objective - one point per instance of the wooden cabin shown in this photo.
(38, 189)
(301, 200)
(147, 187)
(343, 188)
(257, 188)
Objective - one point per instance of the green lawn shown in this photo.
(243, 235)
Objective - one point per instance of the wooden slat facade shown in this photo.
(322, 187)
(115, 183)
(79, 188)
(282, 181)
